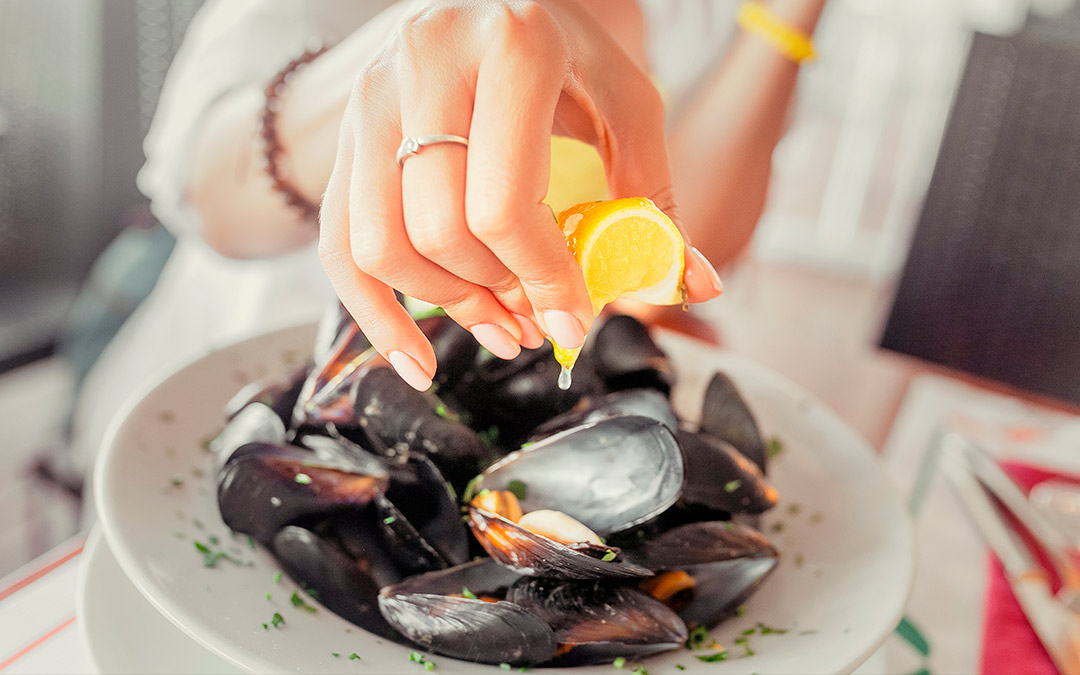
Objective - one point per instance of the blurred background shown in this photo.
(923, 215)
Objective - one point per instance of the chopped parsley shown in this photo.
(176, 481)
(732, 485)
(740, 610)
(354, 657)
(773, 447)
(712, 658)
(519, 489)
(303, 479)
(729, 526)
(417, 657)
(277, 577)
(504, 666)
(251, 543)
(297, 601)
(609, 556)
(619, 662)
(466, 593)
(268, 595)
(335, 654)
(214, 540)
(441, 411)
(276, 620)
(211, 557)
(389, 520)
(741, 641)
(697, 637)
(640, 670)
(767, 630)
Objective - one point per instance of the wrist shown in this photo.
(800, 14)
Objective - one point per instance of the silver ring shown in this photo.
(412, 145)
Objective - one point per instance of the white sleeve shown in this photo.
(229, 44)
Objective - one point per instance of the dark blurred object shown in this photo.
(80, 84)
(992, 284)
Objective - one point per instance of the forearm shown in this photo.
(241, 215)
(721, 148)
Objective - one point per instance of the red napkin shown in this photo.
(1010, 646)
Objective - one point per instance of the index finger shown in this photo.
(518, 86)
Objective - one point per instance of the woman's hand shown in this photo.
(466, 228)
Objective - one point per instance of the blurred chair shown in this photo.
(992, 283)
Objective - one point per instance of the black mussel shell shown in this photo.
(361, 540)
(408, 547)
(532, 554)
(279, 395)
(625, 356)
(720, 564)
(332, 578)
(720, 478)
(392, 417)
(432, 611)
(265, 487)
(641, 402)
(609, 475)
(725, 415)
(419, 495)
(514, 396)
(455, 350)
(254, 423)
(336, 450)
(598, 621)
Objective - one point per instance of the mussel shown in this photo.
(264, 487)
(640, 402)
(725, 416)
(610, 475)
(597, 621)
(461, 612)
(332, 577)
(625, 356)
(720, 479)
(705, 570)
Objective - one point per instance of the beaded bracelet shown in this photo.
(272, 150)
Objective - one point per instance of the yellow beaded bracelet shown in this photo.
(756, 18)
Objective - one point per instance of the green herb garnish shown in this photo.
(697, 637)
(732, 485)
(389, 520)
(741, 641)
(354, 657)
(297, 601)
(335, 654)
(619, 662)
(712, 658)
(489, 436)
(466, 593)
(277, 620)
(680, 666)
(176, 481)
(519, 488)
(729, 526)
(766, 630)
(268, 595)
(609, 556)
(640, 670)
(773, 447)
(504, 666)
(303, 479)
(277, 577)
(214, 540)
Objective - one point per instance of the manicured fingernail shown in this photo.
(714, 278)
(496, 340)
(531, 337)
(565, 328)
(409, 370)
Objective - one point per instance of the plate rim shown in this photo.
(255, 663)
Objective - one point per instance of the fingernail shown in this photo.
(714, 278)
(531, 337)
(496, 340)
(565, 328)
(409, 370)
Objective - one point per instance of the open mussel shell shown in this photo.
(625, 356)
(597, 621)
(279, 395)
(705, 570)
(432, 611)
(640, 402)
(532, 554)
(725, 415)
(609, 475)
(720, 478)
(331, 577)
(419, 502)
(264, 487)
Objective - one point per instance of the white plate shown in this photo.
(839, 590)
(111, 611)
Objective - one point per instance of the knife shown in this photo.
(1055, 624)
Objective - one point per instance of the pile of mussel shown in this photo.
(497, 518)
